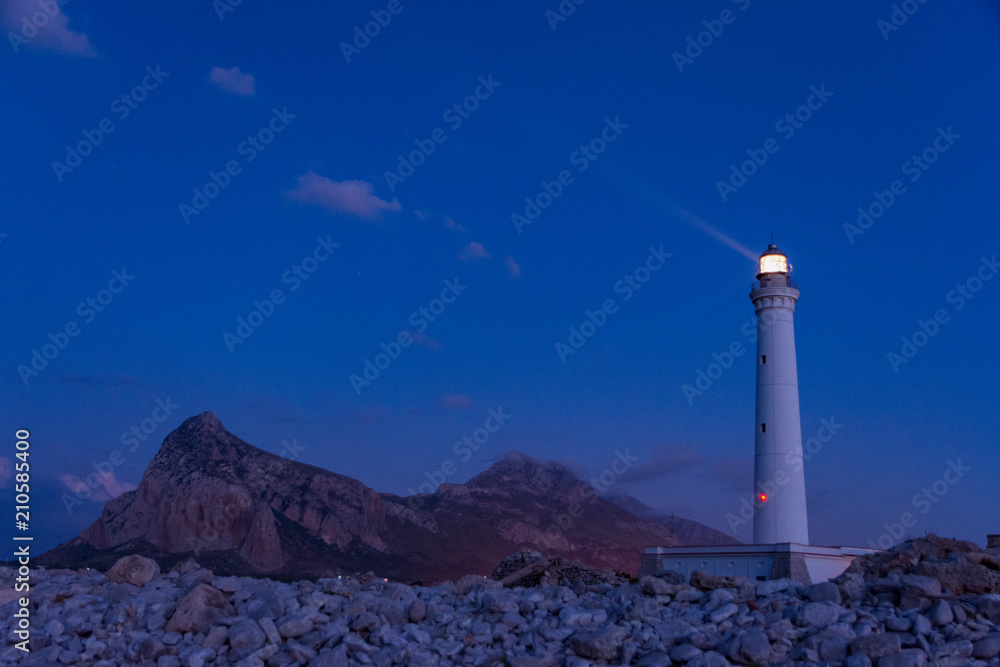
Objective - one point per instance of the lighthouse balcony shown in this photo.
(774, 281)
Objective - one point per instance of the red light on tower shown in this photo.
(763, 497)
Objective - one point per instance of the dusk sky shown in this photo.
(508, 168)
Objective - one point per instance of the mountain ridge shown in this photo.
(209, 495)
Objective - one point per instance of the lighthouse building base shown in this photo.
(762, 562)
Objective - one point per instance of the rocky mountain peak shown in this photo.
(199, 434)
(205, 422)
(206, 489)
(521, 474)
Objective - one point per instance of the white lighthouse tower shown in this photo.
(780, 546)
(779, 478)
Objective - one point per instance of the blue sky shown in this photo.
(623, 132)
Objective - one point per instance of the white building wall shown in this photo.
(778, 462)
(751, 567)
(755, 561)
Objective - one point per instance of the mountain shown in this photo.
(687, 531)
(209, 495)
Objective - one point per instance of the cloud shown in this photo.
(424, 341)
(473, 251)
(109, 486)
(456, 402)
(666, 461)
(453, 226)
(574, 466)
(353, 197)
(513, 268)
(734, 473)
(115, 487)
(43, 25)
(6, 470)
(233, 81)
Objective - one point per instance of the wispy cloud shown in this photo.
(666, 461)
(233, 81)
(424, 341)
(42, 25)
(352, 197)
(473, 251)
(735, 474)
(110, 487)
(513, 268)
(456, 401)
(453, 226)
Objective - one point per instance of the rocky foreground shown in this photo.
(929, 601)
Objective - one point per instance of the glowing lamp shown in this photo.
(763, 497)
(773, 261)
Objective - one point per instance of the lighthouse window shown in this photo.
(763, 428)
(763, 359)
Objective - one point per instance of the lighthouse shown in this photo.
(779, 477)
(780, 547)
